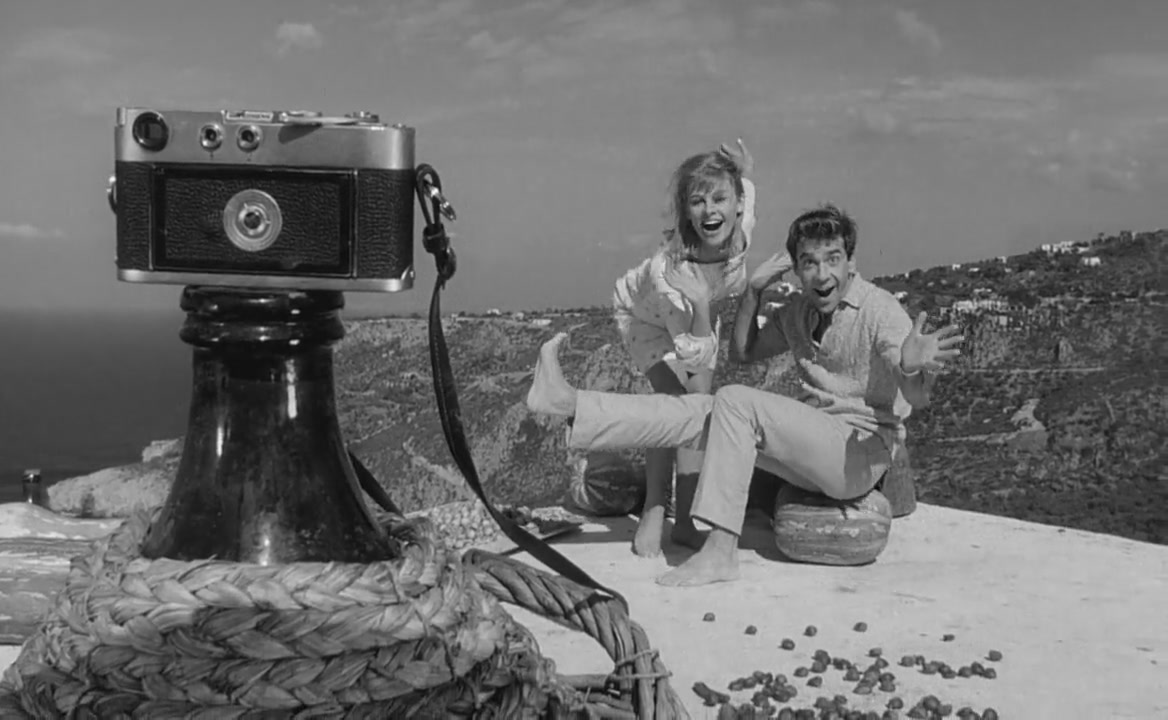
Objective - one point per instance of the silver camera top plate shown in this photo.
(262, 138)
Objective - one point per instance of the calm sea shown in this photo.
(82, 392)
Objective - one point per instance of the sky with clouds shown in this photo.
(952, 130)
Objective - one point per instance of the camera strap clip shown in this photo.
(435, 206)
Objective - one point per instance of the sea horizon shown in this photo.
(87, 389)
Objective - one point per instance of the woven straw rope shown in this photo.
(419, 636)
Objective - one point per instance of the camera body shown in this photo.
(264, 199)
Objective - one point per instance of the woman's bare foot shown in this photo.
(647, 540)
(686, 533)
(550, 393)
(717, 561)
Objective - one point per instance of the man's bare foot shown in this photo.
(717, 561)
(550, 393)
(686, 533)
(647, 540)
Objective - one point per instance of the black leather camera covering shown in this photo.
(336, 223)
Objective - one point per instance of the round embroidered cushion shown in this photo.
(813, 528)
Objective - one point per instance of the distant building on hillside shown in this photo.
(1066, 247)
(972, 306)
(1090, 261)
(1001, 258)
(901, 295)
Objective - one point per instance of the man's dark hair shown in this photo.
(825, 223)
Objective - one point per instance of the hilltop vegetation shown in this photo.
(1057, 412)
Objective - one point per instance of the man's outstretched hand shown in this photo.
(770, 271)
(931, 351)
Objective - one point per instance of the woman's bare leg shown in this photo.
(689, 468)
(658, 472)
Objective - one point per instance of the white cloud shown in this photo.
(966, 106)
(915, 30)
(66, 47)
(297, 36)
(484, 43)
(768, 13)
(25, 231)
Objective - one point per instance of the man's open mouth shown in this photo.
(823, 293)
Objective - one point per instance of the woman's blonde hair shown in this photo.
(697, 174)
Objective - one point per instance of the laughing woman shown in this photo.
(662, 309)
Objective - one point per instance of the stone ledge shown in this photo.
(1078, 616)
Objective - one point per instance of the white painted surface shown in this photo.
(1079, 617)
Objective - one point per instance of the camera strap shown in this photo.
(437, 243)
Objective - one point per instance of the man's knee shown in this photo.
(734, 394)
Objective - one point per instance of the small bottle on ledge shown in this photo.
(34, 491)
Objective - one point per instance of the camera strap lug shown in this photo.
(437, 243)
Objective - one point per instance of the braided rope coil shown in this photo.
(419, 636)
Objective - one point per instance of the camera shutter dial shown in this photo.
(252, 220)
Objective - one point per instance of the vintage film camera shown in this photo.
(284, 199)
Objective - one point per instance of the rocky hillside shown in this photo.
(1056, 413)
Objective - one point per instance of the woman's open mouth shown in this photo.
(711, 226)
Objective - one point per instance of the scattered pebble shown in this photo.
(708, 617)
(773, 689)
(948, 637)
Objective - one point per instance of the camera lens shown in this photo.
(248, 138)
(210, 137)
(253, 217)
(150, 131)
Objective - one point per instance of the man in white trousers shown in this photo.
(863, 363)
